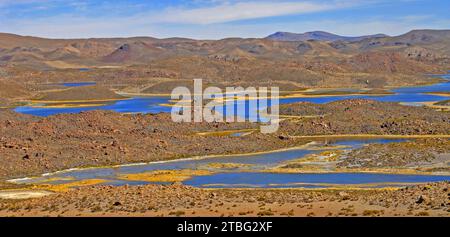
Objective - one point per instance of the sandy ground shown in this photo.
(178, 200)
(23, 194)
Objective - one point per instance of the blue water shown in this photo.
(134, 105)
(72, 84)
(77, 84)
(408, 95)
(405, 94)
(256, 162)
(238, 134)
(252, 175)
(152, 104)
(280, 180)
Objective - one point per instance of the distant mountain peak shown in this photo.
(318, 35)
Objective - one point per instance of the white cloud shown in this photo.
(68, 26)
(216, 21)
(342, 27)
(227, 12)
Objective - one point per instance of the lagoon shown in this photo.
(407, 95)
(248, 171)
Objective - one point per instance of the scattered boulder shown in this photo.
(423, 199)
(344, 195)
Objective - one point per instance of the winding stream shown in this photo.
(249, 171)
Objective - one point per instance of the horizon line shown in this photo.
(233, 37)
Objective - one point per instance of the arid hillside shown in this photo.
(423, 46)
(150, 65)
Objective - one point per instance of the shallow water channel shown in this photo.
(247, 171)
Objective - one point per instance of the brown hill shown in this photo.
(134, 52)
(80, 93)
(436, 41)
(12, 90)
(388, 62)
(145, 49)
(308, 63)
(423, 37)
(318, 35)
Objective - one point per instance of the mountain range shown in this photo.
(320, 36)
(418, 50)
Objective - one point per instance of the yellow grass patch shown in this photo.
(64, 65)
(447, 94)
(172, 105)
(225, 133)
(63, 106)
(67, 186)
(435, 105)
(74, 101)
(165, 175)
(304, 94)
(132, 94)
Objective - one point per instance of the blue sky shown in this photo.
(214, 19)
